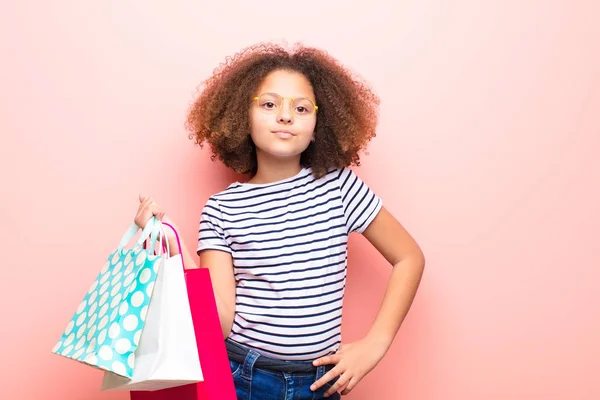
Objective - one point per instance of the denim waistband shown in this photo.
(238, 353)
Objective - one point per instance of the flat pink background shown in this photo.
(487, 151)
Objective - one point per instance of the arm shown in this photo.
(357, 359)
(220, 265)
(396, 245)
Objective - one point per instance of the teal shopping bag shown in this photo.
(106, 328)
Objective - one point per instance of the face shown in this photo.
(278, 127)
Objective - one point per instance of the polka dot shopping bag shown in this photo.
(105, 330)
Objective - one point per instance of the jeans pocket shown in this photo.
(235, 368)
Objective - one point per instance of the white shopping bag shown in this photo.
(167, 355)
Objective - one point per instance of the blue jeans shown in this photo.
(272, 382)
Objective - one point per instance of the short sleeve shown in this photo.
(361, 205)
(211, 235)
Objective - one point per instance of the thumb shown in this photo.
(142, 198)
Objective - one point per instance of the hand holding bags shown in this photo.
(106, 328)
(167, 355)
(125, 325)
(218, 381)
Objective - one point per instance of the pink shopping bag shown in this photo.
(218, 381)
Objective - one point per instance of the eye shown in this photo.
(269, 102)
(268, 105)
(302, 106)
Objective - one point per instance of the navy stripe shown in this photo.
(283, 213)
(290, 326)
(348, 190)
(297, 270)
(287, 228)
(294, 297)
(287, 246)
(288, 262)
(255, 306)
(209, 246)
(229, 191)
(312, 232)
(336, 327)
(209, 215)
(284, 198)
(287, 344)
(358, 204)
(211, 207)
(296, 315)
(284, 207)
(359, 226)
(292, 280)
(212, 237)
(296, 354)
(292, 289)
(296, 253)
(353, 224)
(352, 200)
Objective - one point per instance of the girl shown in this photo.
(276, 245)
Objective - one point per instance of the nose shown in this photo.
(285, 119)
(285, 115)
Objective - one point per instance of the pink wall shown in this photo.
(487, 151)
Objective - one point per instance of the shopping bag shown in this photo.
(167, 354)
(107, 326)
(218, 381)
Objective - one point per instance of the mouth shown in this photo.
(284, 134)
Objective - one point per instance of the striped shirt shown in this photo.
(288, 242)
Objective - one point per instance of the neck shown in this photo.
(273, 169)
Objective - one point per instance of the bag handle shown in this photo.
(153, 237)
(149, 231)
(165, 245)
(178, 241)
(164, 242)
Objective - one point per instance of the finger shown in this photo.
(142, 198)
(149, 205)
(329, 376)
(145, 212)
(327, 360)
(154, 212)
(341, 391)
(144, 205)
(349, 386)
(339, 384)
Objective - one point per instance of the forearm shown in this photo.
(400, 292)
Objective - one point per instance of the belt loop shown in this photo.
(320, 372)
(248, 365)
